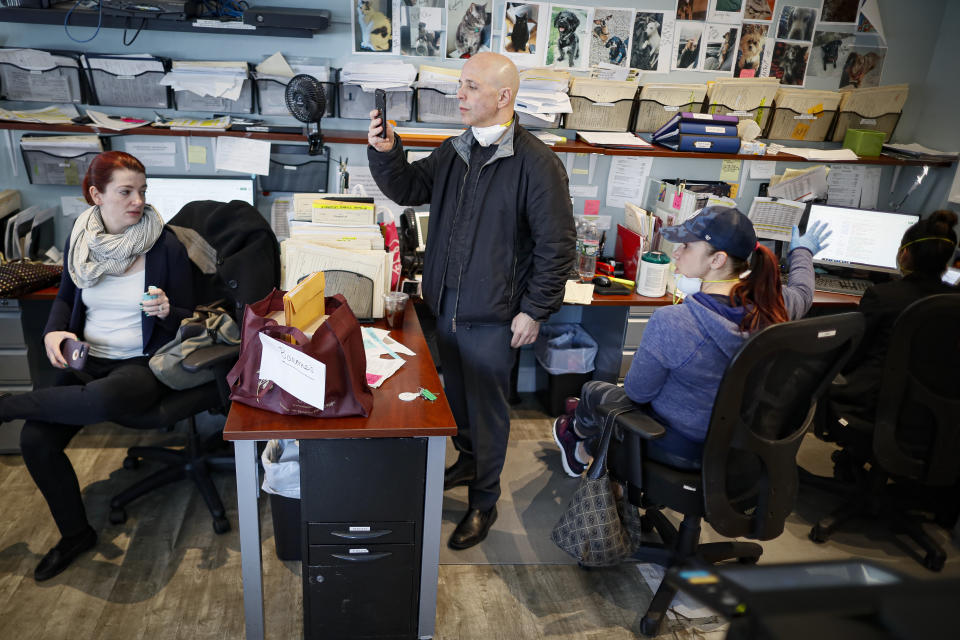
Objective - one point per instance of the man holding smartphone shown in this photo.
(502, 242)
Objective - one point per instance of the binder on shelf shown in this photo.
(357, 103)
(744, 98)
(803, 114)
(192, 82)
(542, 97)
(293, 169)
(35, 75)
(708, 124)
(271, 90)
(661, 101)
(55, 159)
(128, 81)
(601, 105)
(702, 143)
(871, 108)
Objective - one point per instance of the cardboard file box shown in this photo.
(661, 101)
(803, 114)
(271, 94)
(61, 82)
(601, 105)
(190, 101)
(357, 103)
(871, 108)
(131, 87)
(293, 169)
(745, 98)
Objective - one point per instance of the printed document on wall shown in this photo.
(243, 155)
(627, 179)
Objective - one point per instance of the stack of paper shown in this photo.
(800, 185)
(30, 74)
(442, 79)
(803, 114)
(281, 69)
(543, 94)
(333, 208)
(601, 105)
(196, 124)
(873, 102)
(382, 75)
(131, 64)
(29, 234)
(915, 150)
(659, 101)
(743, 97)
(214, 78)
(56, 114)
(332, 235)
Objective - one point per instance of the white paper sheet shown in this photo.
(812, 184)
(293, 371)
(627, 179)
(243, 155)
(871, 187)
(584, 190)
(762, 169)
(845, 185)
(774, 219)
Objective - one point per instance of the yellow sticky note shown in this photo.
(730, 170)
(581, 171)
(197, 154)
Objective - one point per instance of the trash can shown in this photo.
(567, 353)
(281, 479)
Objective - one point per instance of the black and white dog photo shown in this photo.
(568, 43)
(797, 23)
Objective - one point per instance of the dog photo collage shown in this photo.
(743, 38)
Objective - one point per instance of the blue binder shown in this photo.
(699, 128)
(703, 144)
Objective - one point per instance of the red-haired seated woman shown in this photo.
(117, 250)
(733, 288)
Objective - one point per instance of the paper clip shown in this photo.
(427, 394)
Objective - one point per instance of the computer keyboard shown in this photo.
(834, 284)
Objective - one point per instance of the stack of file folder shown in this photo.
(702, 132)
(542, 97)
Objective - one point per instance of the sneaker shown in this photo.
(567, 440)
(570, 405)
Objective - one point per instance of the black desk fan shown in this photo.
(307, 103)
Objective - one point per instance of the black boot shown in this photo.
(473, 528)
(66, 551)
(461, 473)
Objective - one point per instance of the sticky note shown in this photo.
(800, 131)
(591, 207)
(582, 172)
(197, 154)
(748, 73)
(677, 199)
(730, 170)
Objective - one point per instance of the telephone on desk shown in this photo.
(413, 243)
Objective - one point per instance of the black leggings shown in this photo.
(106, 390)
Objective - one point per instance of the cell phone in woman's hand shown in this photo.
(75, 353)
(380, 99)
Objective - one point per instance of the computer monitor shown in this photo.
(861, 239)
(168, 194)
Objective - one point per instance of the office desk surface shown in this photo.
(390, 417)
(820, 299)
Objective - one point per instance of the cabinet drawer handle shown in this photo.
(362, 557)
(361, 535)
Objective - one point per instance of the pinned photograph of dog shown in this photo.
(610, 36)
(568, 37)
(520, 22)
(647, 32)
(862, 67)
(789, 62)
(797, 23)
(687, 45)
(421, 28)
(839, 11)
(692, 9)
(373, 26)
(830, 49)
(750, 50)
(758, 10)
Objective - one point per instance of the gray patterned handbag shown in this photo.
(594, 528)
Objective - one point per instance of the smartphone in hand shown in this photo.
(75, 353)
(380, 98)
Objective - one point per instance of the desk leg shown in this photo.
(250, 560)
(430, 551)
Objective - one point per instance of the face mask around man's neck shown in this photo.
(486, 136)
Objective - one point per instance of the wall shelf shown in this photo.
(88, 18)
(360, 137)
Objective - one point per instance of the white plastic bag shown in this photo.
(281, 468)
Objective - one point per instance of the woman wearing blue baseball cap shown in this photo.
(732, 288)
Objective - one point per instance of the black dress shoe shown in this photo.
(461, 473)
(473, 528)
(66, 551)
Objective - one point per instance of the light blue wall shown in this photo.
(921, 36)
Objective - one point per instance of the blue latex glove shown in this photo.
(815, 239)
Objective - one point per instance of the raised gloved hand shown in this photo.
(815, 239)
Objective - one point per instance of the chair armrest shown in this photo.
(210, 357)
(637, 421)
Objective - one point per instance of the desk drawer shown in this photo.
(14, 366)
(11, 330)
(635, 327)
(625, 363)
(360, 533)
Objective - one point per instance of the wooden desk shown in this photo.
(417, 423)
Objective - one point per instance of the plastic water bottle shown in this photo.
(589, 243)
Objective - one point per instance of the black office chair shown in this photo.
(239, 263)
(747, 483)
(914, 451)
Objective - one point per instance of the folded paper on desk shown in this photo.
(615, 139)
(577, 292)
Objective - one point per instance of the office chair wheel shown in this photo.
(818, 535)
(118, 515)
(650, 627)
(131, 462)
(221, 525)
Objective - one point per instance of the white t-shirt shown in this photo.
(114, 318)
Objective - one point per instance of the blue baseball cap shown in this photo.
(725, 228)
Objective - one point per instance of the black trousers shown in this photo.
(477, 360)
(106, 390)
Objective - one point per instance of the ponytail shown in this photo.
(760, 292)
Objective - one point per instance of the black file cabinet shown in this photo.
(362, 509)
